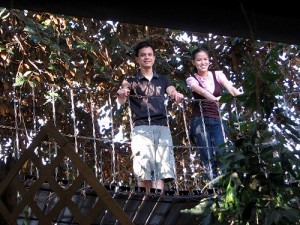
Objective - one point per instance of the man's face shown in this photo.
(146, 57)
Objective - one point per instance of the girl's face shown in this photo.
(201, 61)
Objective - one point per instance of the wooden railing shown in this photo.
(19, 199)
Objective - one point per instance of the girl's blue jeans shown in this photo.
(210, 144)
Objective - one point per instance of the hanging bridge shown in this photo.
(49, 184)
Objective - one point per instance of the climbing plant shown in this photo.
(45, 57)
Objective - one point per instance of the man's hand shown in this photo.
(177, 97)
(123, 92)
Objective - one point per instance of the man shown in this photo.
(151, 140)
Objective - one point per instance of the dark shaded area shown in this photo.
(8, 196)
(277, 22)
(140, 208)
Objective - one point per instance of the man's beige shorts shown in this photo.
(152, 153)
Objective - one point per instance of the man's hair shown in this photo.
(140, 45)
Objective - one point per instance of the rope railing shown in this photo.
(105, 149)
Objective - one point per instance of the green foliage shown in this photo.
(49, 54)
(51, 96)
(231, 198)
(21, 79)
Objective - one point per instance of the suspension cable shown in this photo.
(113, 166)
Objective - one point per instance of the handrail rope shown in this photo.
(221, 121)
(34, 123)
(189, 146)
(236, 112)
(100, 139)
(98, 90)
(112, 141)
(78, 136)
(54, 122)
(66, 135)
(103, 91)
(187, 137)
(84, 137)
(168, 97)
(168, 124)
(73, 116)
(130, 117)
(94, 142)
(187, 134)
(16, 127)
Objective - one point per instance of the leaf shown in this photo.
(47, 22)
(19, 80)
(231, 199)
(2, 11)
(31, 84)
(27, 73)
